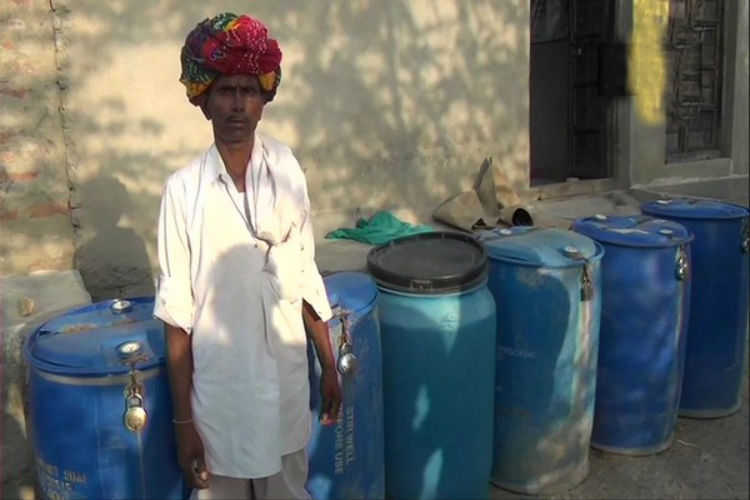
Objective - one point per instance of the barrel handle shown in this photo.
(682, 264)
(587, 284)
(347, 361)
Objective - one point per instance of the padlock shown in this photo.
(347, 362)
(135, 416)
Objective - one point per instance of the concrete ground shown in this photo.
(708, 459)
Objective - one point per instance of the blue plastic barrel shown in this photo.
(645, 307)
(715, 353)
(347, 459)
(547, 287)
(91, 369)
(437, 322)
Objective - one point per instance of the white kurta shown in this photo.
(234, 268)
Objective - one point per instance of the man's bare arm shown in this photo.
(329, 383)
(189, 444)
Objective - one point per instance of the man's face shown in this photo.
(235, 106)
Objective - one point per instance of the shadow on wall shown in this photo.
(386, 104)
(397, 104)
(114, 262)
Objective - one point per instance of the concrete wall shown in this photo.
(646, 139)
(386, 104)
(35, 226)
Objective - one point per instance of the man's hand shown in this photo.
(330, 393)
(190, 456)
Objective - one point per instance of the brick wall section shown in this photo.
(35, 222)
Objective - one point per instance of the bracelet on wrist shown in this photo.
(182, 422)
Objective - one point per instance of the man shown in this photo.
(238, 281)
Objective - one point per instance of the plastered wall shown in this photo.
(387, 104)
(35, 229)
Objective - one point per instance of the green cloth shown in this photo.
(380, 228)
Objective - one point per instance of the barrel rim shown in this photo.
(86, 371)
(80, 371)
(391, 280)
(360, 311)
(652, 208)
(595, 257)
(363, 309)
(612, 239)
(478, 285)
(573, 265)
(99, 380)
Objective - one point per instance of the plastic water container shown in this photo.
(547, 287)
(347, 459)
(716, 351)
(437, 321)
(100, 409)
(645, 307)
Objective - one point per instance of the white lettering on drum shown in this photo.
(338, 448)
(350, 449)
(516, 353)
(56, 484)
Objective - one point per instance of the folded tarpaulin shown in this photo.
(380, 228)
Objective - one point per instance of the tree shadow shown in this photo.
(385, 104)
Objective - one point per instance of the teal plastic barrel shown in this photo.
(437, 321)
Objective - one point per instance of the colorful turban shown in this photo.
(229, 45)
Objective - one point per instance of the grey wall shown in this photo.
(645, 111)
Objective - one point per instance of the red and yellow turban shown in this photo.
(229, 45)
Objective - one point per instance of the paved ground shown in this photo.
(708, 459)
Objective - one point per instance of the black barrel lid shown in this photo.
(429, 263)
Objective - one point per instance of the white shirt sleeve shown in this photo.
(313, 289)
(174, 298)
